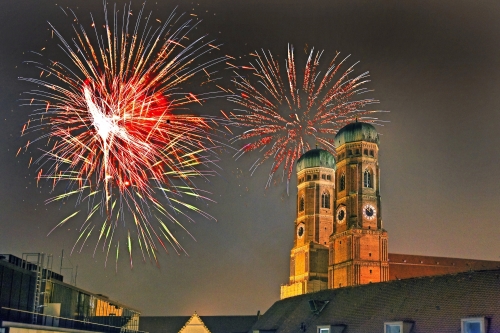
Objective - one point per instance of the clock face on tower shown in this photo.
(369, 212)
(300, 230)
(341, 215)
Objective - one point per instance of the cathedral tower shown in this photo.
(358, 244)
(313, 225)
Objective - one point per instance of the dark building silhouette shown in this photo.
(467, 302)
(197, 324)
(34, 298)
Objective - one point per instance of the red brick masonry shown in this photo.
(404, 266)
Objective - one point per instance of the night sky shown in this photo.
(434, 64)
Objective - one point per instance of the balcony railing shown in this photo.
(26, 317)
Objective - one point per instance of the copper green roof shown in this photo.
(316, 158)
(357, 131)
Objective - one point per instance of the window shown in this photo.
(325, 200)
(331, 329)
(342, 182)
(328, 177)
(473, 325)
(349, 152)
(365, 152)
(323, 176)
(367, 179)
(308, 177)
(398, 327)
(315, 177)
(323, 329)
(301, 204)
(357, 151)
(371, 153)
(394, 327)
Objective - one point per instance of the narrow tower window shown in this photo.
(301, 204)
(367, 179)
(342, 182)
(325, 200)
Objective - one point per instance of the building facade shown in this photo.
(358, 244)
(34, 298)
(339, 237)
(314, 223)
(339, 240)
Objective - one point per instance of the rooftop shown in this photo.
(431, 304)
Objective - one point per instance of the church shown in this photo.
(339, 236)
(343, 278)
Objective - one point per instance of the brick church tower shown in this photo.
(313, 225)
(358, 244)
(339, 240)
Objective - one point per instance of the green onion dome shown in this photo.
(316, 158)
(357, 131)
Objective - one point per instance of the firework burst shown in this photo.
(282, 120)
(117, 131)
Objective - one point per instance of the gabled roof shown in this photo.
(214, 324)
(433, 304)
(194, 325)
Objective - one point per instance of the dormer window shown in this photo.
(473, 325)
(323, 329)
(398, 327)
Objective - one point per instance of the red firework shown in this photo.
(118, 136)
(282, 120)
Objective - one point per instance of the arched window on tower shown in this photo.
(325, 200)
(367, 179)
(342, 182)
(301, 204)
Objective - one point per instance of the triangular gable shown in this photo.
(194, 325)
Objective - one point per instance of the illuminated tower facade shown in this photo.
(358, 244)
(313, 225)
